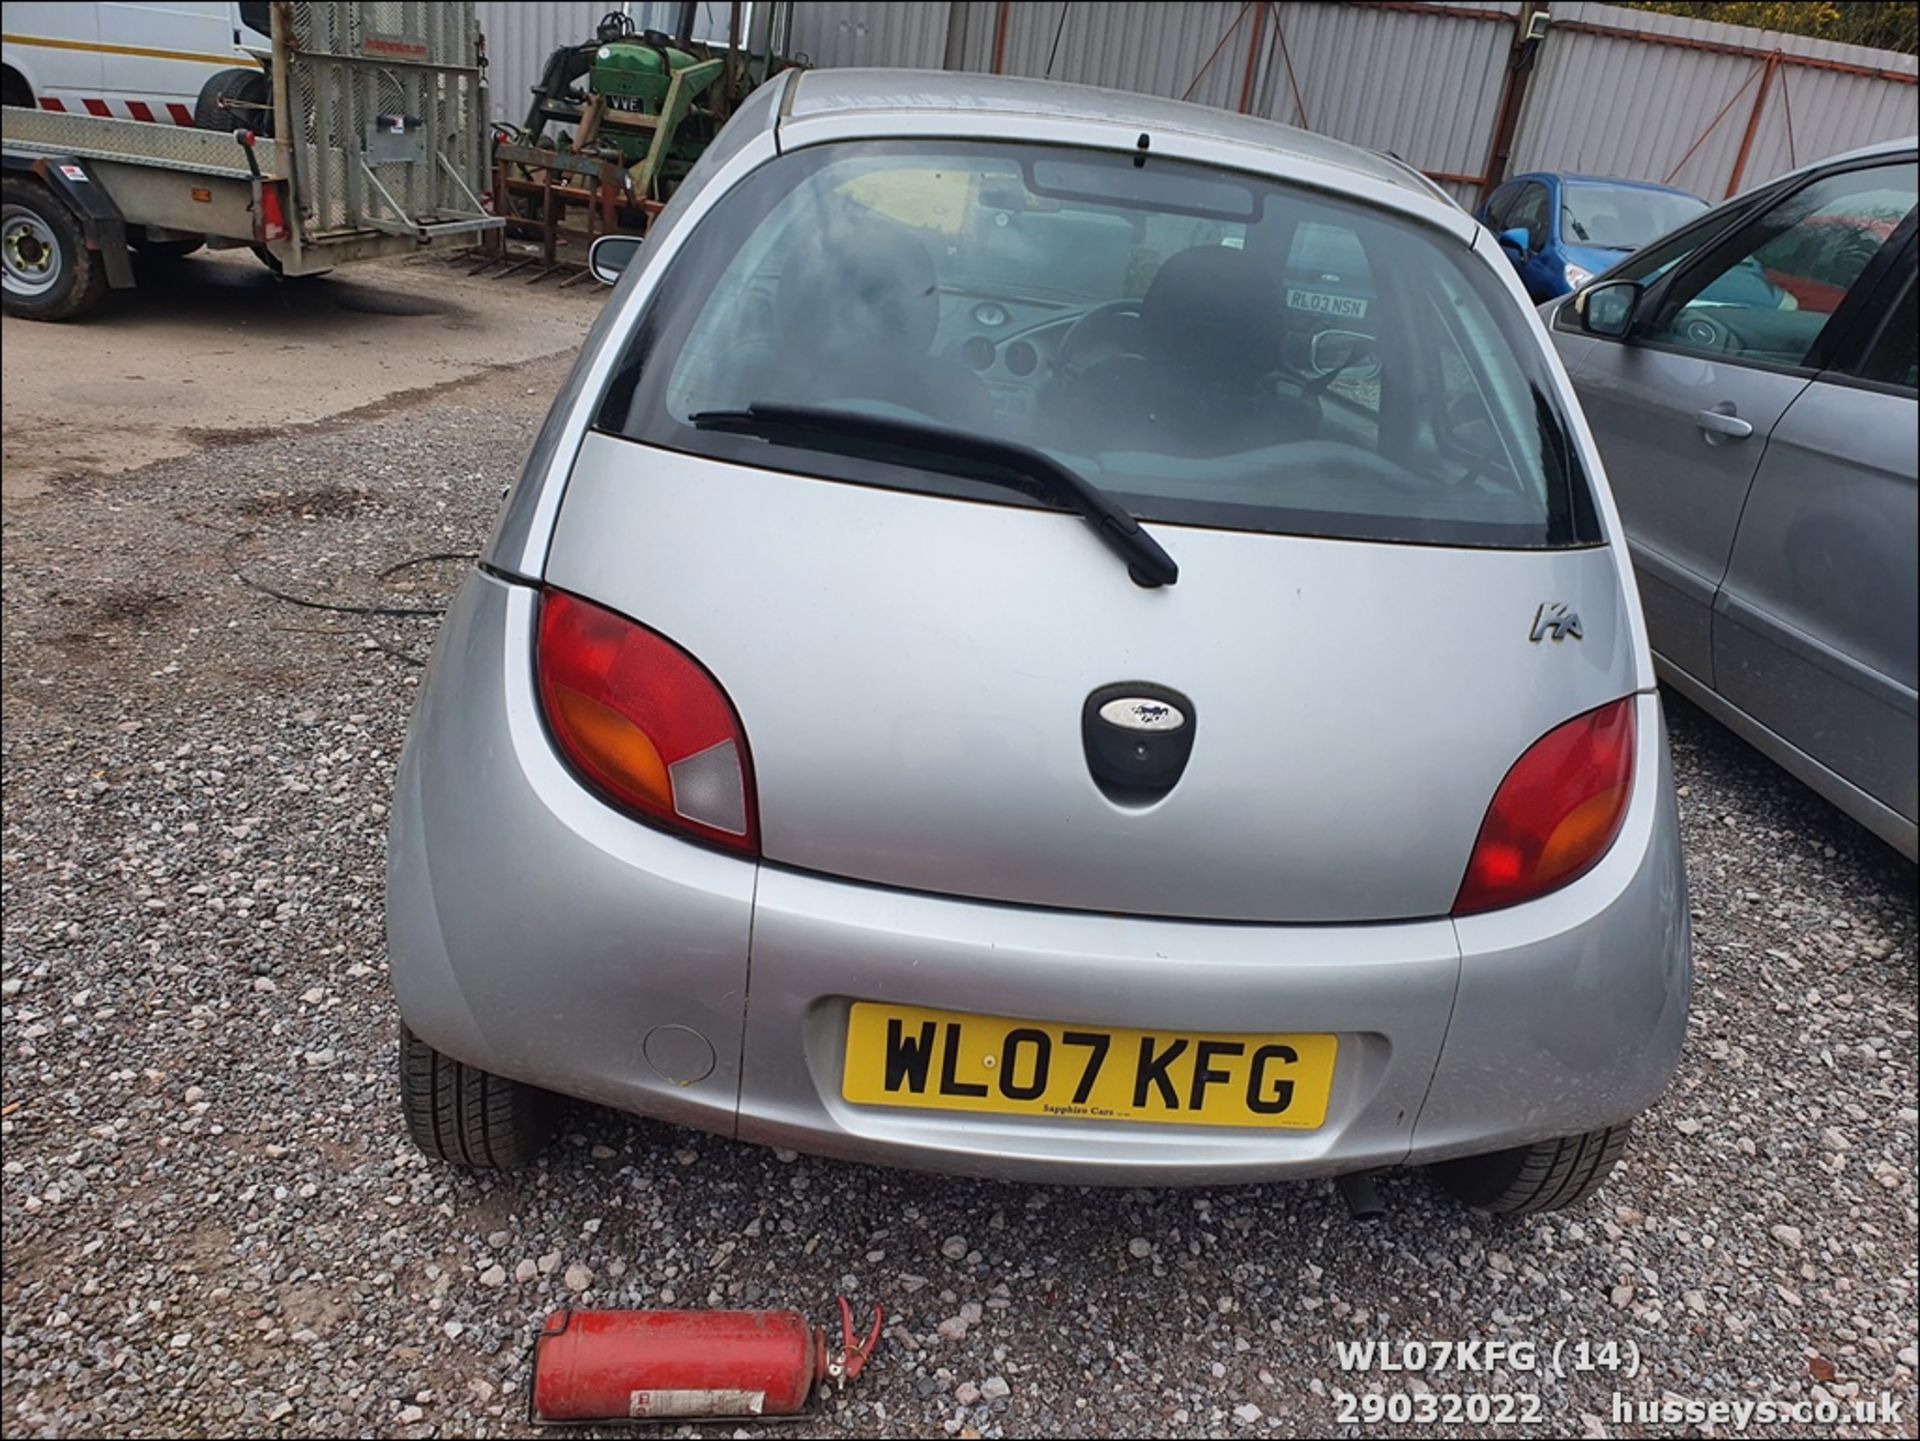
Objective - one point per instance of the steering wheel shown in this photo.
(1106, 332)
(1704, 333)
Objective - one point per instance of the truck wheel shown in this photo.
(1542, 1177)
(459, 1113)
(14, 89)
(47, 270)
(249, 89)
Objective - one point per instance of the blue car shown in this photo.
(1562, 230)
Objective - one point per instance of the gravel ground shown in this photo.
(214, 1224)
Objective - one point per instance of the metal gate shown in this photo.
(387, 106)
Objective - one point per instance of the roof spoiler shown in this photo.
(1425, 181)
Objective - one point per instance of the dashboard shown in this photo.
(1009, 343)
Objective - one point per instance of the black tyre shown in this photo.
(235, 100)
(459, 1113)
(1545, 1176)
(46, 270)
(14, 89)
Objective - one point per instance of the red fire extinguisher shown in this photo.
(708, 1365)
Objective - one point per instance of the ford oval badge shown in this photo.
(1143, 713)
(1138, 737)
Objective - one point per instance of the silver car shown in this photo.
(1056, 635)
(1751, 381)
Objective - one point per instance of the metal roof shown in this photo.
(838, 91)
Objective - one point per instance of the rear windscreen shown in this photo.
(1209, 347)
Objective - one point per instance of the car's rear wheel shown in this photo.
(460, 1113)
(1545, 1176)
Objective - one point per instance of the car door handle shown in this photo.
(1723, 423)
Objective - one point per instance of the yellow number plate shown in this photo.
(945, 1060)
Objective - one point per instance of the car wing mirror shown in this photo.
(1517, 241)
(1608, 309)
(611, 255)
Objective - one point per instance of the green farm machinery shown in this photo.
(615, 124)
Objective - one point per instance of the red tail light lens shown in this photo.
(273, 212)
(1555, 814)
(644, 724)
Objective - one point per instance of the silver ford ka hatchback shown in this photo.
(1058, 635)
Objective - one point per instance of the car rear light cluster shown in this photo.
(1556, 813)
(644, 724)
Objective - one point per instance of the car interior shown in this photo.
(1257, 354)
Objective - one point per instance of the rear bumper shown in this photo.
(537, 934)
(1385, 991)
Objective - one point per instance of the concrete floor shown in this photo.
(214, 349)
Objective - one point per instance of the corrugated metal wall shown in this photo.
(1631, 108)
(1428, 94)
(1427, 91)
(1412, 79)
(1156, 49)
(871, 32)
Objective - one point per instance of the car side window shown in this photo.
(1648, 265)
(1894, 356)
(1768, 293)
(1500, 203)
(1531, 212)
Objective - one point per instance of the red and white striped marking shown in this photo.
(170, 112)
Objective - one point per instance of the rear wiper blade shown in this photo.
(954, 452)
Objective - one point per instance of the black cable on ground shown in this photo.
(337, 607)
(310, 604)
(423, 559)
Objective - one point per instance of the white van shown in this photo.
(170, 61)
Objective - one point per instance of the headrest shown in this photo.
(1216, 309)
